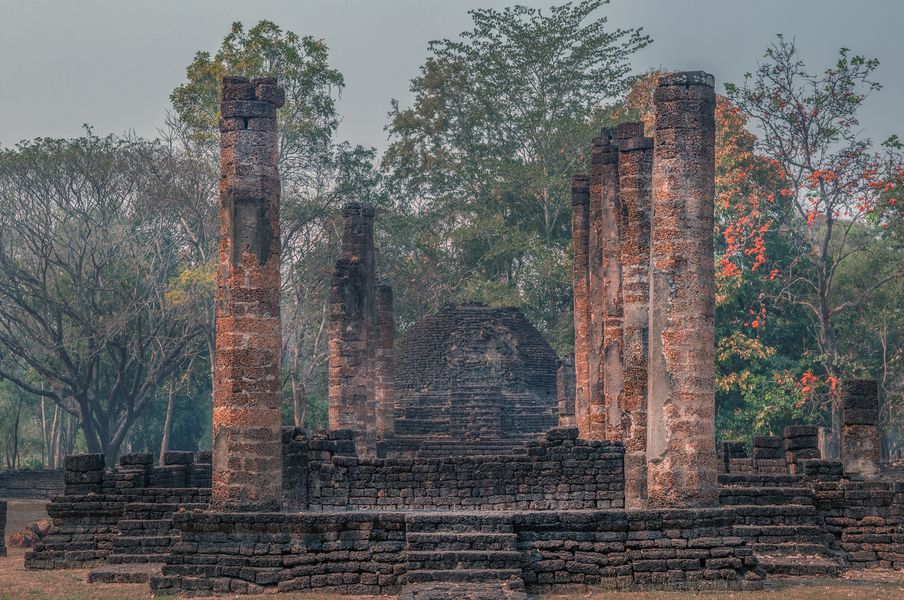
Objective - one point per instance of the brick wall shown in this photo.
(559, 472)
(31, 484)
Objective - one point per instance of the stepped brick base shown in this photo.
(478, 553)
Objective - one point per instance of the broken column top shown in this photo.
(687, 78)
(604, 151)
(581, 185)
(356, 208)
(629, 130)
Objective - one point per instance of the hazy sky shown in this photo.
(113, 63)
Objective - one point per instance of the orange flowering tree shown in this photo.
(836, 206)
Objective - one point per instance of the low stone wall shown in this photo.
(558, 473)
(376, 552)
(26, 484)
(867, 519)
(86, 517)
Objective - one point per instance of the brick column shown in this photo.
(860, 443)
(384, 381)
(681, 446)
(603, 192)
(635, 171)
(565, 391)
(580, 237)
(352, 343)
(247, 450)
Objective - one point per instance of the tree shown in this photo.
(837, 204)
(84, 274)
(485, 153)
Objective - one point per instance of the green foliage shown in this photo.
(485, 153)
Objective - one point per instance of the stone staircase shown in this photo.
(462, 556)
(140, 549)
(777, 518)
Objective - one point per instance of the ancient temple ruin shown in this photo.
(465, 459)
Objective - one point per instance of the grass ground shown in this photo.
(18, 584)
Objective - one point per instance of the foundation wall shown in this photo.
(364, 552)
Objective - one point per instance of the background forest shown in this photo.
(107, 244)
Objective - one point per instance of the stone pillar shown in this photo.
(384, 380)
(565, 391)
(635, 171)
(2, 528)
(682, 467)
(352, 343)
(603, 191)
(580, 237)
(247, 449)
(860, 440)
(611, 363)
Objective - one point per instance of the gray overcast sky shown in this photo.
(113, 63)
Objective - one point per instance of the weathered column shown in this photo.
(247, 450)
(860, 440)
(352, 343)
(580, 237)
(565, 391)
(603, 189)
(613, 376)
(681, 446)
(384, 381)
(635, 170)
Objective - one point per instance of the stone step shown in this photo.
(463, 522)
(131, 543)
(463, 560)
(799, 565)
(463, 575)
(145, 525)
(760, 480)
(125, 573)
(460, 541)
(503, 590)
(778, 534)
(791, 549)
(768, 496)
(122, 559)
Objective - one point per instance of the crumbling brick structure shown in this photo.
(247, 469)
(473, 375)
(362, 332)
(860, 440)
(681, 452)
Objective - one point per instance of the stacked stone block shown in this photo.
(681, 453)
(732, 449)
(635, 169)
(2, 528)
(580, 235)
(801, 443)
(247, 459)
(860, 438)
(565, 391)
(83, 473)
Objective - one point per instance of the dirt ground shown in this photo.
(18, 584)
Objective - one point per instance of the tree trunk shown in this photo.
(170, 401)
